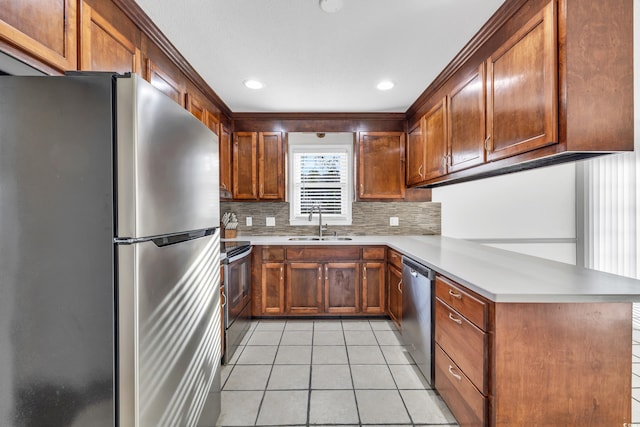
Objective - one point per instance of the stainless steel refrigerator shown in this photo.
(109, 255)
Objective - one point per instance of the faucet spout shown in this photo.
(313, 208)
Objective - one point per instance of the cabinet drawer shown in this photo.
(463, 342)
(323, 253)
(462, 301)
(465, 402)
(394, 258)
(373, 253)
(273, 254)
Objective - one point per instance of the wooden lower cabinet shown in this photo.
(532, 364)
(394, 292)
(373, 287)
(319, 280)
(272, 284)
(303, 290)
(341, 288)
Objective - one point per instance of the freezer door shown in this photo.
(167, 164)
(168, 330)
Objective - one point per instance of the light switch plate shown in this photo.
(394, 221)
(271, 221)
(249, 221)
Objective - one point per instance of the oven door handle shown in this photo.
(224, 295)
(239, 256)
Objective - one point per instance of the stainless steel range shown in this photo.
(236, 260)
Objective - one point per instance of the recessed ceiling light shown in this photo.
(385, 85)
(331, 6)
(253, 84)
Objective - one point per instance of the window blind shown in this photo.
(320, 178)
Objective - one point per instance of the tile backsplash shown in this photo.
(368, 218)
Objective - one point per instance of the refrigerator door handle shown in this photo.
(166, 240)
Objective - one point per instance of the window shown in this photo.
(320, 175)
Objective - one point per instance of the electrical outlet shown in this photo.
(394, 221)
(271, 221)
(249, 221)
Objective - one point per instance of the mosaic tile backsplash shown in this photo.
(368, 218)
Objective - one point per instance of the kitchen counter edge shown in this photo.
(499, 275)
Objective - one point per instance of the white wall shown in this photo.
(531, 212)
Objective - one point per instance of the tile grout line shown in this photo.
(353, 384)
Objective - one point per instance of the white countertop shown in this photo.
(499, 275)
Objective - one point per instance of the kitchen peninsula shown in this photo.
(537, 339)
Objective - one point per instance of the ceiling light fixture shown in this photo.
(253, 84)
(331, 6)
(385, 85)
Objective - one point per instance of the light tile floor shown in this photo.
(327, 373)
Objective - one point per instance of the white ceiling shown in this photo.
(312, 61)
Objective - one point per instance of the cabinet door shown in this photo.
(381, 165)
(415, 154)
(196, 107)
(373, 275)
(103, 47)
(271, 166)
(522, 89)
(46, 29)
(435, 140)
(394, 283)
(341, 288)
(245, 165)
(273, 288)
(162, 81)
(467, 123)
(303, 291)
(225, 162)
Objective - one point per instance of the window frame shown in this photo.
(315, 147)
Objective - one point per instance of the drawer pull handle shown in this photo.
(454, 294)
(399, 283)
(453, 374)
(458, 321)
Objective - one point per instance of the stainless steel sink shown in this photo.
(311, 238)
(336, 238)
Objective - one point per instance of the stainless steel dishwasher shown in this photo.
(417, 314)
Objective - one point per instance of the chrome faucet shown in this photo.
(313, 208)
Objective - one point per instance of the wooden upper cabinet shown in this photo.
(224, 139)
(245, 151)
(466, 112)
(166, 84)
(45, 29)
(435, 140)
(103, 47)
(196, 107)
(381, 165)
(258, 166)
(415, 154)
(522, 89)
(271, 166)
